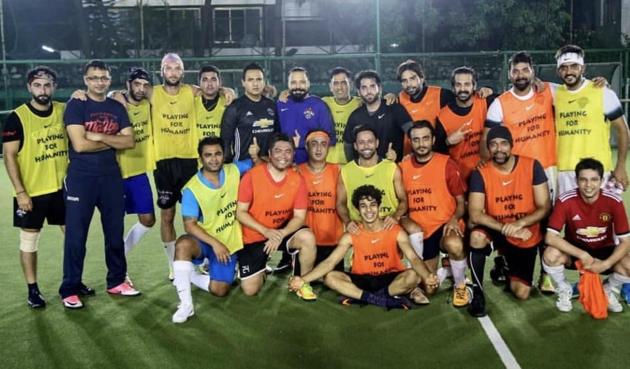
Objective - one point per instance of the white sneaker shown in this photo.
(183, 313)
(563, 303)
(614, 305)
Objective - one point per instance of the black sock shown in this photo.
(477, 264)
(32, 287)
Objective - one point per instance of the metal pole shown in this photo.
(141, 6)
(377, 58)
(5, 71)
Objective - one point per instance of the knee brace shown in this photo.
(29, 241)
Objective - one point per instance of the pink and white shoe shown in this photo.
(123, 289)
(72, 302)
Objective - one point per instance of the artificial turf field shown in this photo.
(274, 329)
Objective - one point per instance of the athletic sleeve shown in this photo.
(490, 99)
(454, 180)
(301, 196)
(446, 97)
(245, 190)
(123, 115)
(476, 182)
(440, 138)
(620, 220)
(352, 122)
(402, 117)
(190, 206)
(539, 174)
(74, 113)
(495, 114)
(12, 129)
(228, 127)
(326, 122)
(612, 105)
(557, 218)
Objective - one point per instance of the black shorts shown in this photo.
(433, 245)
(373, 283)
(600, 253)
(170, 176)
(252, 258)
(520, 261)
(323, 252)
(50, 207)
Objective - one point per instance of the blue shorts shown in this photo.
(138, 195)
(218, 271)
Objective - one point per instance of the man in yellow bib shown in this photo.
(175, 138)
(35, 152)
(584, 115)
(210, 103)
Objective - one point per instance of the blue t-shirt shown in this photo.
(108, 117)
(304, 116)
(190, 206)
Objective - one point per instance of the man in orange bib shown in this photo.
(508, 199)
(435, 193)
(377, 273)
(271, 208)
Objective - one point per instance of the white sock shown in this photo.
(458, 267)
(182, 271)
(134, 235)
(417, 243)
(616, 280)
(169, 250)
(201, 280)
(557, 275)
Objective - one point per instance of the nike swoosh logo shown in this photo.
(223, 194)
(381, 116)
(369, 175)
(375, 240)
(505, 183)
(284, 109)
(278, 195)
(416, 177)
(317, 182)
(172, 102)
(136, 113)
(414, 111)
(528, 108)
(572, 101)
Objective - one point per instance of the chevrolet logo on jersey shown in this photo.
(263, 123)
(591, 232)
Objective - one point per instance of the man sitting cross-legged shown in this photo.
(377, 274)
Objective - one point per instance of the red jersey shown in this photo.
(589, 226)
(271, 203)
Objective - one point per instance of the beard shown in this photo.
(172, 84)
(522, 84)
(42, 99)
(298, 94)
(464, 96)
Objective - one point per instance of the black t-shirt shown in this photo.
(245, 119)
(390, 123)
(13, 130)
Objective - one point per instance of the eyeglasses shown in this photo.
(98, 78)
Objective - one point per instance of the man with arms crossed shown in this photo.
(593, 219)
(35, 152)
(508, 199)
(96, 128)
(378, 273)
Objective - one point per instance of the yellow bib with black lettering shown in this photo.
(340, 114)
(140, 159)
(380, 176)
(218, 208)
(209, 122)
(43, 159)
(174, 123)
(582, 130)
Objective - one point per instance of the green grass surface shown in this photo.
(274, 329)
